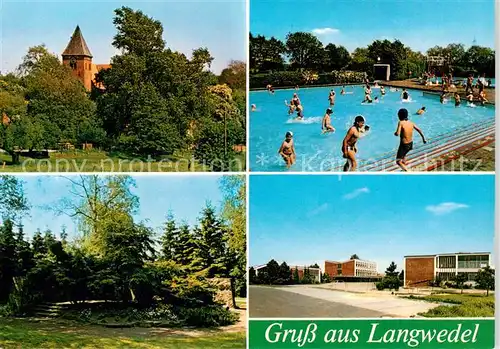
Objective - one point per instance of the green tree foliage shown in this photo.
(354, 256)
(296, 277)
(336, 57)
(485, 279)
(460, 280)
(325, 278)
(13, 202)
(266, 54)
(305, 50)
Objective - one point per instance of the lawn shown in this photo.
(460, 305)
(25, 334)
(99, 161)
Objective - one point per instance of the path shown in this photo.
(310, 301)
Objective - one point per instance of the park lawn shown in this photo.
(22, 333)
(461, 305)
(100, 161)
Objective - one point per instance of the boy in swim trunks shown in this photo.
(349, 149)
(331, 98)
(326, 124)
(287, 150)
(405, 132)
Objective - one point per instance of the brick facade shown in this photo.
(346, 268)
(419, 271)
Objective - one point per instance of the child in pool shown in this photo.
(457, 99)
(326, 123)
(421, 111)
(287, 150)
(254, 107)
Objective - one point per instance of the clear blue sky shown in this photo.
(184, 195)
(305, 219)
(218, 25)
(419, 24)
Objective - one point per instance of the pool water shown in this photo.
(322, 152)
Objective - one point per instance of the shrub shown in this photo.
(210, 316)
(380, 286)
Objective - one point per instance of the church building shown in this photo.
(77, 56)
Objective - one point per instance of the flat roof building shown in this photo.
(351, 268)
(420, 270)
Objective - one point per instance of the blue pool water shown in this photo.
(322, 152)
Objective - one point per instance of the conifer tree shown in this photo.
(169, 239)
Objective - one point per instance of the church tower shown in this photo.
(77, 56)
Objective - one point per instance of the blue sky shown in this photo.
(218, 25)
(306, 219)
(184, 195)
(419, 24)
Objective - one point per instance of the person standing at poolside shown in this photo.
(326, 123)
(349, 148)
(287, 150)
(331, 98)
(405, 132)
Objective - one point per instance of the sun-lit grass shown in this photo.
(241, 303)
(20, 333)
(460, 305)
(99, 161)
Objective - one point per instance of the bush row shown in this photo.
(294, 78)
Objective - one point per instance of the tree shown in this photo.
(137, 33)
(391, 270)
(485, 279)
(336, 57)
(55, 97)
(13, 202)
(233, 189)
(169, 239)
(252, 276)
(325, 278)
(305, 50)
(96, 200)
(273, 272)
(235, 75)
(285, 276)
(460, 280)
(266, 54)
(354, 256)
(361, 60)
(211, 243)
(295, 277)
(402, 276)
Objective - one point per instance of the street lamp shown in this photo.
(378, 59)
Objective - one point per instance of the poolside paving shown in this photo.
(310, 301)
(490, 92)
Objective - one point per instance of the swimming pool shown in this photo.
(322, 152)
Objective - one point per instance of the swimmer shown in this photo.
(269, 88)
(331, 98)
(470, 97)
(296, 87)
(254, 107)
(368, 99)
(300, 111)
(349, 148)
(376, 100)
(442, 98)
(326, 123)
(457, 99)
(368, 90)
(291, 107)
(376, 85)
(421, 111)
(405, 132)
(405, 96)
(287, 150)
(342, 92)
(382, 90)
(482, 97)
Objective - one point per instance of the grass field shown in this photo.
(460, 305)
(25, 334)
(99, 161)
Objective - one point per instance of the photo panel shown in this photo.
(123, 261)
(371, 260)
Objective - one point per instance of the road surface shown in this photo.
(273, 302)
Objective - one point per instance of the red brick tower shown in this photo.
(77, 56)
